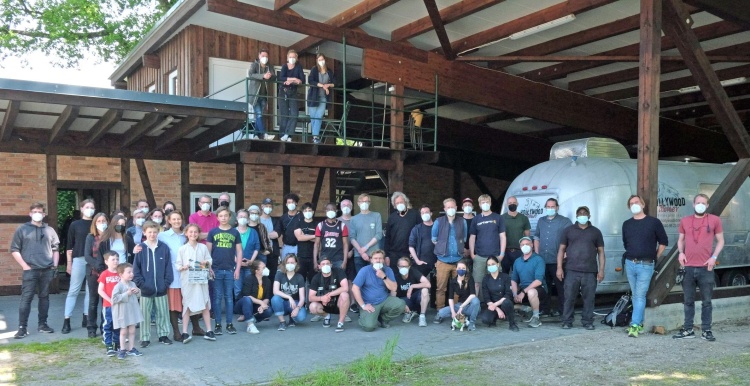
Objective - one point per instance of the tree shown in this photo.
(69, 30)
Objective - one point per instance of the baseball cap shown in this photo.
(467, 199)
(267, 201)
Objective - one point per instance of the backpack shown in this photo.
(620, 314)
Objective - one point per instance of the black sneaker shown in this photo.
(165, 340)
(513, 327)
(21, 333)
(291, 323)
(45, 328)
(327, 322)
(217, 329)
(589, 326)
(230, 329)
(708, 335)
(340, 327)
(210, 336)
(186, 338)
(133, 352)
(282, 326)
(685, 334)
(145, 343)
(92, 334)
(111, 351)
(354, 308)
(566, 326)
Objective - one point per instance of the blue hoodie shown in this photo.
(152, 271)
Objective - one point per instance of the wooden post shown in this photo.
(286, 185)
(332, 183)
(52, 191)
(318, 186)
(185, 188)
(396, 176)
(146, 182)
(125, 183)
(239, 191)
(648, 104)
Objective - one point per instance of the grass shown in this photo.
(64, 346)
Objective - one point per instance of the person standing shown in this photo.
(225, 245)
(95, 265)
(644, 239)
(421, 248)
(698, 260)
(321, 81)
(331, 240)
(152, 274)
(225, 200)
(487, 238)
(365, 232)
(582, 242)
(174, 238)
(289, 223)
(305, 234)
(546, 244)
(397, 229)
(467, 205)
(76, 266)
(273, 227)
(260, 76)
(204, 217)
(517, 225)
(449, 236)
(35, 248)
(291, 76)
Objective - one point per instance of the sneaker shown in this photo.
(217, 329)
(284, 138)
(316, 140)
(408, 317)
(316, 318)
(153, 322)
(111, 351)
(327, 322)
(708, 335)
(92, 334)
(437, 319)
(186, 338)
(251, 329)
(354, 308)
(633, 331)
(45, 328)
(566, 326)
(472, 326)
(422, 321)
(513, 327)
(589, 326)
(535, 322)
(291, 323)
(134, 352)
(554, 314)
(210, 336)
(253, 136)
(165, 340)
(121, 354)
(685, 334)
(339, 327)
(347, 318)
(527, 313)
(230, 329)
(282, 326)
(145, 343)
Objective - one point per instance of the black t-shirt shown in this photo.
(323, 285)
(288, 225)
(290, 287)
(581, 247)
(403, 284)
(496, 289)
(77, 233)
(397, 229)
(463, 291)
(641, 237)
(426, 250)
(305, 248)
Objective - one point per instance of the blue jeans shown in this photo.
(77, 280)
(316, 115)
(258, 111)
(244, 272)
(704, 280)
(415, 301)
(223, 286)
(639, 277)
(33, 281)
(246, 307)
(471, 311)
(282, 307)
(111, 335)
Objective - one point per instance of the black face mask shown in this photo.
(224, 203)
(167, 212)
(119, 228)
(512, 207)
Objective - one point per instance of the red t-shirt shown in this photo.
(699, 237)
(110, 280)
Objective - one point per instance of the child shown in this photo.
(152, 273)
(107, 282)
(194, 295)
(225, 245)
(125, 311)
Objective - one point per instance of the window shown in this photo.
(195, 197)
(173, 82)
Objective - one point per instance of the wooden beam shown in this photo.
(51, 161)
(488, 118)
(179, 130)
(310, 161)
(710, 121)
(437, 24)
(448, 15)
(102, 126)
(525, 22)
(396, 174)
(146, 182)
(677, 24)
(280, 5)
(9, 120)
(151, 61)
(286, 182)
(215, 133)
(696, 97)
(593, 58)
(332, 184)
(648, 104)
(352, 17)
(297, 24)
(140, 129)
(125, 182)
(67, 117)
(185, 203)
(733, 10)
(239, 185)
(14, 219)
(318, 186)
(703, 110)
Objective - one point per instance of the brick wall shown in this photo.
(76, 168)
(165, 182)
(431, 185)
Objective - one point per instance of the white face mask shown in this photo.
(101, 227)
(635, 209)
(254, 217)
(400, 207)
(89, 212)
(242, 221)
(267, 210)
(364, 205)
(266, 272)
(582, 219)
(525, 249)
(321, 63)
(291, 206)
(36, 217)
(346, 210)
(331, 214)
(550, 212)
(450, 212)
(205, 207)
(263, 60)
(377, 266)
(485, 207)
(290, 267)
(157, 220)
(468, 209)
(308, 215)
(292, 60)
(426, 217)
(144, 209)
(700, 208)
(403, 271)
(140, 221)
(326, 269)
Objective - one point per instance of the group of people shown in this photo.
(163, 269)
(261, 79)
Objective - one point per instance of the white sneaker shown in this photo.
(284, 138)
(251, 329)
(408, 316)
(347, 318)
(316, 318)
(422, 321)
(253, 136)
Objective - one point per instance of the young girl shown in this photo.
(126, 312)
(195, 297)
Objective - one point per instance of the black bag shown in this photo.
(620, 314)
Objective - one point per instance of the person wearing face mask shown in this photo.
(289, 294)
(174, 238)
(517, 225)
(225, 200)
(414, 289)
(496, 287)
(645, 240)
(487, 238)
(273, 227)
(329, 294)
(461, 286)
(288, 223)
(250, 249)
(331, 239)
(448, 235)
(291, 76)
(196, 300)
(140, 206)
(467, 208)
(264, 242)
(397, 229)
(421, 248)
(305, 234)
(260, 80)
(321, 81)
(157, 216)
(528, 281)
(76, 266)
(365, 232)
(136, 230)
(584, 246)
(204, 217)
(346, 218)
(254, 303)
(168, 207)
(35, 248)
(95, 265)
(698, 255)
(546, 243)
(374, 290)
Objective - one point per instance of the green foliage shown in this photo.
(62, 347)
(68, 30)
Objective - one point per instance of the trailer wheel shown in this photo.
(733, 278)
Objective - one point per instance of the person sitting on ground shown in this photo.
(254, 302)
(414, 289)
(329, 293)
(468, 304)
(528, 274)
(374, 291)
(289, 293)
(497, 295)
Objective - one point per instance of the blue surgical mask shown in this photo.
(582, 219)
(492, 268)
(550, 212)
(461, 272)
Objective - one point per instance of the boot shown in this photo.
(84, 323)
(196, 321)
(66, 326)
(173, 315)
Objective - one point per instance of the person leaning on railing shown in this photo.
(321, 80)
(260, 76)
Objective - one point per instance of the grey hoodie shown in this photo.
(35, 244)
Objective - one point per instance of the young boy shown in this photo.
(152, 273)
(107, 281)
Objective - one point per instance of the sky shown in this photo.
(88, 73)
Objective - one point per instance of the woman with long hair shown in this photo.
(94, 266)
(320, 92)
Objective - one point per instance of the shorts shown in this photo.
(332, 307)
